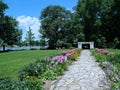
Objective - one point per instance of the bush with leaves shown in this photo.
(34, 69)
(49, 75)
(27, 84)
(111, 65)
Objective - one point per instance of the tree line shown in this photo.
(10, 34)
(92, 20)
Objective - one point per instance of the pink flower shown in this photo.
(102, 51)
(60, 59)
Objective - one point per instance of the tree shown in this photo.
(58, 44)
(114, 22)
(1, 42)
(8, 27)
(9, 32)
(97, 20)
(88, 17)
(3, 7)
(55, 24)
(43, 43)
(20, 37)
(29, 37)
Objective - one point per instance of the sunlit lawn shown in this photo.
(11, 62)
(117, 51)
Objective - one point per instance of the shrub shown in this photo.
(32, 84)
(6, 84)
(49, 75)
(110, 63)
(27, 84)
(34, 69)
(59, 70)
(68, 45)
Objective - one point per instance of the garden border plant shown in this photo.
(34, 75)
(110, 63)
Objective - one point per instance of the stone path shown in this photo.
(83, 74)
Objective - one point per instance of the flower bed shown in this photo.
(110, 62)
(57, 64)
(48, 68)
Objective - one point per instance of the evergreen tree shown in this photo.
(30, 37)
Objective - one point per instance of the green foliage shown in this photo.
(115, 43)
(58, 43)
(33, 84)
(93, 20)
(29, 37)
(111, 65)
(44, 68)
(1, 42)
(43, 42)
(9, 31)
(28, 84)
(59, 70)
(3, 7)
(55, 22)
(34, 69)
(101, 41)
(6, 84)
(68, 45)
(49, 75)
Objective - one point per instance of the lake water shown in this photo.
(23, 48)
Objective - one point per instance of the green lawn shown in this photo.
(117, 51)
(11, 62)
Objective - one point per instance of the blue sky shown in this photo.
(27, 12)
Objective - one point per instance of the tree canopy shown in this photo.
(9, 31)
(92, 20)
(55, 22)
(99, 20)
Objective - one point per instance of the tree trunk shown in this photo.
(3, 48)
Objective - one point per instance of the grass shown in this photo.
(116, 51)
(12, 62)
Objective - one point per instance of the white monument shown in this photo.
(82, 43)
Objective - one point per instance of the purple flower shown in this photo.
(59, 59)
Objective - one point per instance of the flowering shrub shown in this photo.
(73, 54)
(59, 59)
(49, 68)
(103, 51)
(33, 76)
(110, 63)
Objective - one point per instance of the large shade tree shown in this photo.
(9, 31)
(88, 17)
(55, 24)
(92, 20)
(98, 20)
(113, 24)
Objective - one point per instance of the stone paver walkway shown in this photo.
(83, 74)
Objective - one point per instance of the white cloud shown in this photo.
(26, 21)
